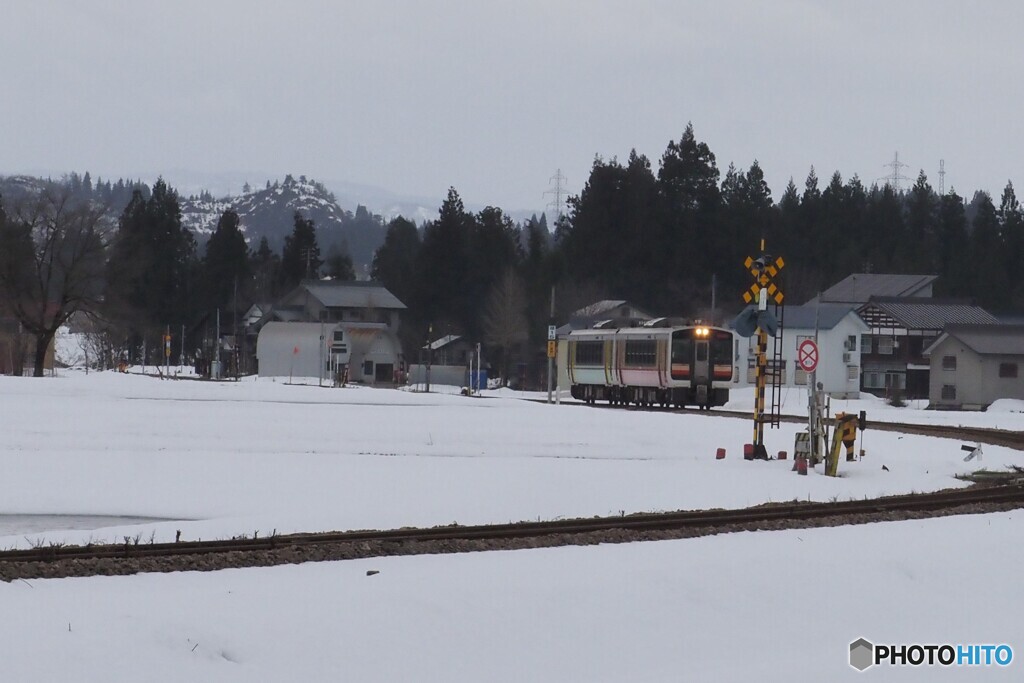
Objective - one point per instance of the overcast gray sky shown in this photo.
(493, 97)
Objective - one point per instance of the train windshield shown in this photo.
(721, 348)
(682, 347)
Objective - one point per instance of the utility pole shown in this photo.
(430, 352)
(552, 342)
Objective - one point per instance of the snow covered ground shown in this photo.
(219, 459)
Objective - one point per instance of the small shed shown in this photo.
(974, 365)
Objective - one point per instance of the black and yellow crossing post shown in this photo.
(764, 269)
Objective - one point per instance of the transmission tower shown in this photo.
(894, 178)
(557, 203)
(942, 177)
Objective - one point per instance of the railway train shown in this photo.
(658, 363)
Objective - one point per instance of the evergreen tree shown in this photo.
(953, 266)
(919, 250)
(226, 267)
(300, 259)
(394, 263)
(1011, 231)
(264, 266)
(443, 267)
(338, 265)
(152, 267)
(990, 281)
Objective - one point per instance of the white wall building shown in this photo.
(839, 330)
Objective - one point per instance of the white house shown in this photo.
(839, 330)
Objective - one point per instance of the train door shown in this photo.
(702, 372)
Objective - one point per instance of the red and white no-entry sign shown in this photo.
(807, 355)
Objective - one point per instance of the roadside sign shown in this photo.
(807, 355)
(552, 349)
(551, 333)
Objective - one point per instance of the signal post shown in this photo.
(761, 322)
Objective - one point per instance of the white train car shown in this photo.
(655, 364)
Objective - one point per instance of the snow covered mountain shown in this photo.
(270, 212)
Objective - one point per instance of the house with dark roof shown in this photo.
(838, 330)
(974, 365)
(354, 335)
(338, 301)
(859, 288)
(899, 330)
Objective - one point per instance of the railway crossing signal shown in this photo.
(763, 272)
(764, 269)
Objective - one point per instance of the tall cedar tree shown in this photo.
(265, 265)
(226, 266)
(338, 265)
(394, 263)
(300, 259)
(443, 267)
(152, 269)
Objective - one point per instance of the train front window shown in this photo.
(682, 348)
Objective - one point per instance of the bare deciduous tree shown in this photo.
(505, 325)
(52, 249)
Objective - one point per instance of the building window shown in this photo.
(948, 392)
(1008, 370)
(872, 380)
(852, 371)
(800, 377)
(851, 343)
(865, 343)
(949, 363)
(885, 346)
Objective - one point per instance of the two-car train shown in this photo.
(655, 364)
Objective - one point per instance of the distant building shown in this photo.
(323, 327)
(598, 312)
(839, 330)
(899, 330)
(859, 288)
(974, 365)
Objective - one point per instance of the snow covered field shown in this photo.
(220, 459)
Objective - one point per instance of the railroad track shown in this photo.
(996, 437)
(132, 557)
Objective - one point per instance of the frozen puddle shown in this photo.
(12, 525)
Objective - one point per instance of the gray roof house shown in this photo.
(337, 301)
(899, 330)
(859, 288)
(331, 326)
(974, 365)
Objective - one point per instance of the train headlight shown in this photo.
(701, 331)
